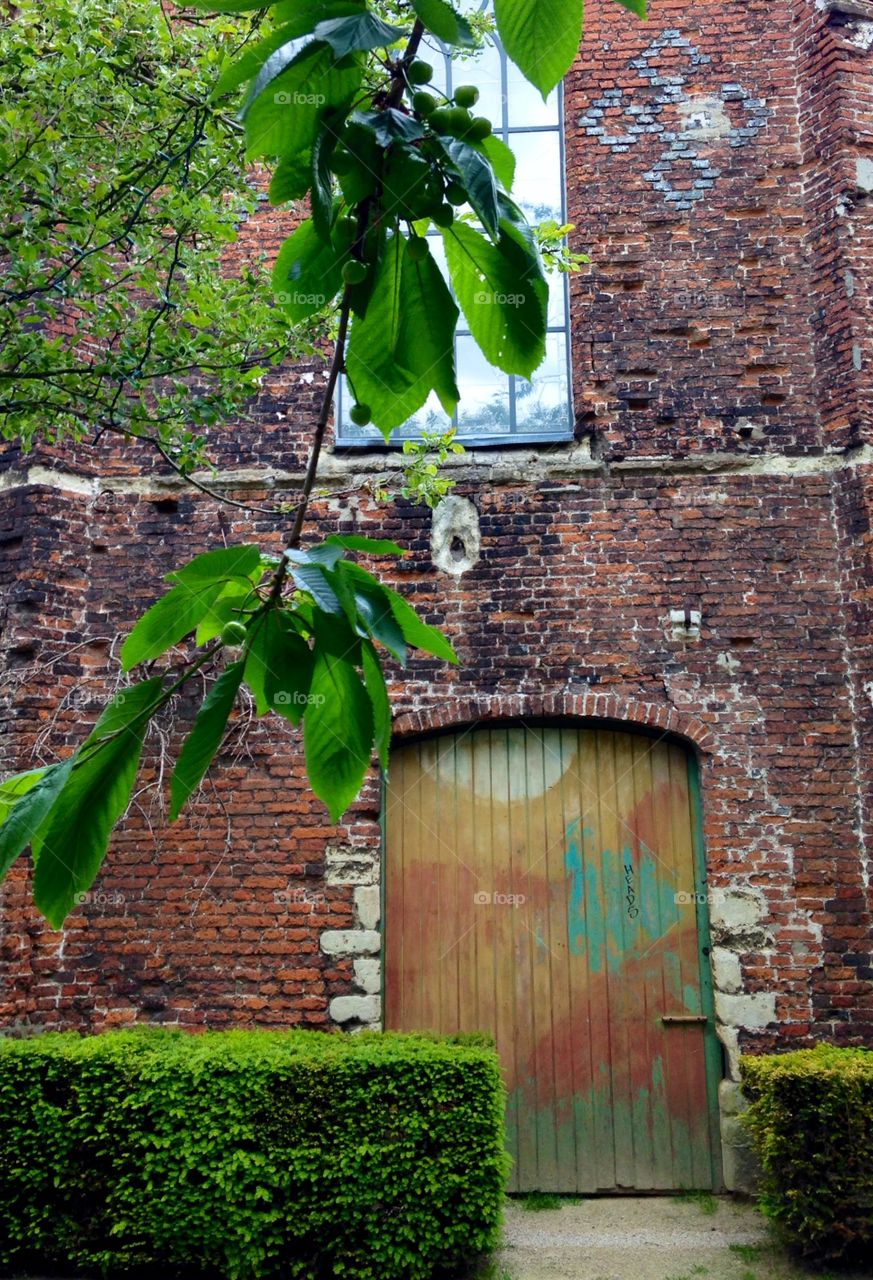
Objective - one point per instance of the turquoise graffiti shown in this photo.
(617, 901)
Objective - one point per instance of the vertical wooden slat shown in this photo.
(594, 828)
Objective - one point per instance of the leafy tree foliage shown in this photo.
(338, 98)
(121, 186)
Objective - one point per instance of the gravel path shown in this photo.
(644, 1238)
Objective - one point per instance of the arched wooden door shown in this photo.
(545, 885)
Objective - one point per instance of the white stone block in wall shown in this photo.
(749, 1012)
(350, 942)
(368, 975)
(368, 905)
(726, 970)
(359, 1008)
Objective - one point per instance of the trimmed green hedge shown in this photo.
(250, 1154)
(811, 1121)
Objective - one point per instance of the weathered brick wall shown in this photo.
(720, 466)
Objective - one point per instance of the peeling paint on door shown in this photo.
(541, 886)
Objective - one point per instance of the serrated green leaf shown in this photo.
(69, 848)
(307, 275)
(315, 579)
(502, 159)
(227, 608)
(126, 707)
(15, 787)
(374, 682)
(373, 546)
(27, 815)
(418, 634)
(174, 616)
(445, 23)
(219, 566)
(477, 177)
(288, 671)
(403, 348)
(337, 732)
(249, 63)
(321, 194)
(390, 126)
(541, 37)
(291, 178)
(357, 34)
(373, 609)
(503, 293)
(205, 738)
(307, 85)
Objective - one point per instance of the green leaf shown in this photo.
(403, 348)
(288, 672)
(257, 660)
(503, 292)
(338, 730)
(374, 681)
(29, 813)
(251, 60)
(541, 37)
(389, 126)
(219, 566)
(321, 195)
(166, 623)
(308, 84)
(374, 546)
(291, 178)
(71, 844)
(227, 608)
(430, 317)
(477, 177)
(441, 19)
(307, 275)
(314, 579)
(205, 738)
(14, 788)
(357, 34)
(502, 159)
(417, 633)
(636, 6)
(374, 611)
(124, 709)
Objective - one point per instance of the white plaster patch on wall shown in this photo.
(347, 865)
(455, 539)
(864, 172)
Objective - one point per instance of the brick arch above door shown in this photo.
(457, 712)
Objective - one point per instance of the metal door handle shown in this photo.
(698, 1019)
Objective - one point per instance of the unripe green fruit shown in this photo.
(458, 120)
(360, 414)
(424, 103)
(354, 272)
(443, 215)
(417, 248)
(233, 633)
(466, 95)
(420, 73)
(480, 128)
(344, 233)
(439, 119)
(455, 193)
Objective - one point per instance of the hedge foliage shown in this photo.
(249, 1153)
(811, 1121)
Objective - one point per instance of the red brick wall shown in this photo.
(717, 382)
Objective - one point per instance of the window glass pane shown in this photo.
(526, 106)
(485, 71)
(557, 300)
(543, 404)
(484, 407)
(537, 185)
